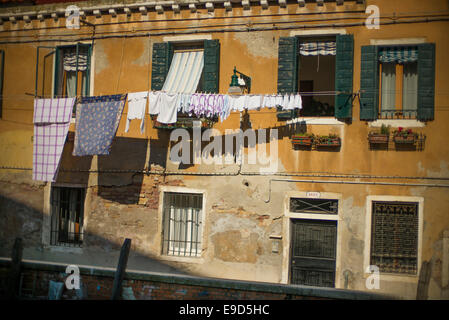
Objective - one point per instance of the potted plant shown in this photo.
(303, 139)
(402, 135)
(332, 140)
(379, 137)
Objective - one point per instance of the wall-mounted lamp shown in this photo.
(239, 84)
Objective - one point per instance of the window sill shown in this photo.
(182, 259)
(316, 120)
(395, 277)
(409, 123)
(63, 249)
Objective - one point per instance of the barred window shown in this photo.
(394, 236)
(182, 224)
(67, 210)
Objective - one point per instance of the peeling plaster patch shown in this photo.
(101, 58)
(236, 246)
(259, 44)
(356, 245)
(144, 58)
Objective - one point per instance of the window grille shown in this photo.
(308, 205)
(67, 206)
(182, 224)
(394, 237)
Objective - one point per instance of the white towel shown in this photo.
(137, 103)
(254, 102)
(168, 107)
(153, 102)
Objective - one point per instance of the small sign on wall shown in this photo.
(313, 194)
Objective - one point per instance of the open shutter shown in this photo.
(287, 71)
(211, 66)
(369, 84)
(426, 81)
(343, 76)
(162, 54)
(288, 65)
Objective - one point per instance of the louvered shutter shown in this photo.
(343, 76)
(162, 54)
(426, 81)
(287, 71)
(369, 83)
(211, 66)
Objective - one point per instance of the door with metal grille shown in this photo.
(313, 252)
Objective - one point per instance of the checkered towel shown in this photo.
(51, 125)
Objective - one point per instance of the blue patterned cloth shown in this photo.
(97, 120)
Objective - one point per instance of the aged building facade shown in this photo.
(312, 215)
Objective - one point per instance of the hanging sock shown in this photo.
(137, 103)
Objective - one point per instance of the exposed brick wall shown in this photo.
(100, 288)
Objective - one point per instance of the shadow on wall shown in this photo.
(19, 219)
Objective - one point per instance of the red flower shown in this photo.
(400, 129)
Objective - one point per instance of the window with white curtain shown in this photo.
(182, 224)
(398, 82)
(72, 71)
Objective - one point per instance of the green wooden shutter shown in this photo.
(426, 81)
(287, 71)
(343, 76)
(369, 83)
(162, 55)
(211, 71)
(57, 87)
(288, 65)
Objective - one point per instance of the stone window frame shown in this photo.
(368, 227)
(161, 255)
(46, 219)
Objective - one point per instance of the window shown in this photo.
(72, 70)
(182, 224)
(397, 82)
(317, 74)
(394, 237)
(67, 206)
(187, 67)
(398, 69)
(321, 68)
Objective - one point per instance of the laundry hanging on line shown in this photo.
(210, 105)
(97, 120)
(51, 124)
(137, 103)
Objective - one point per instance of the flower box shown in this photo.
(409, 139)
(378, 138)
(404, 136)
(328, 142)
(302, 140)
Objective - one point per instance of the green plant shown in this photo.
(385, 129)
(401, 132)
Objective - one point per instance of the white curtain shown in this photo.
(185, 72)
(410, 89)
(185, 231)
(388, 90)
(71, 83)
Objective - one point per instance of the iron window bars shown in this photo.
(67, 208)
(394, 236)
(182, 224)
